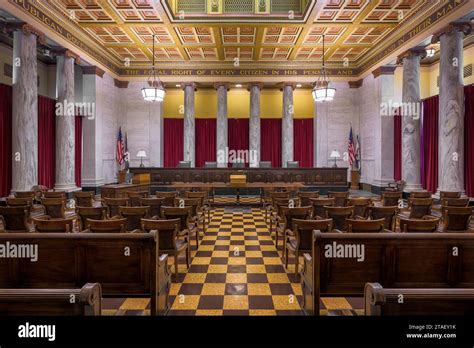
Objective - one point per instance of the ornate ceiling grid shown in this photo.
(352, 30)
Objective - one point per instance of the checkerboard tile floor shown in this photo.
(236, 271)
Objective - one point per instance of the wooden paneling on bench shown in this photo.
(125, 265)
(395, 260)
(84, 301)
(380, 301)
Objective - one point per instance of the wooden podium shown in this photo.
(355, 179)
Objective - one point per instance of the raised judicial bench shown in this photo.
(323, 179)
(85, 301)
(380, 301)
(125, 264)
(395, 260)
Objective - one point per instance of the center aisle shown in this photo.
(236, 271)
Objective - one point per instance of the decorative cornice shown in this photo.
(66, 53)
(287, 84)
(8, 70)
(191, 84)
(464, 27)
(414, 52)
(219, 84)
(120, 84)
(251, 84)
(356, 84)
(384, 70)
(92, 70)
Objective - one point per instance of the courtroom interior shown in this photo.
(236, 157)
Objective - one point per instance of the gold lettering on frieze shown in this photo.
(290, 72)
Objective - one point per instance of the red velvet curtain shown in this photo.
(397, 138)
(429, 144)
(205, 141)
(5, 139)
(468, 143)
(303, 142)
(46, 141)
(238, 135)
(78, 150)
(270, 138)
(173, 145)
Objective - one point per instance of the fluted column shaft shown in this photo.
(287, 125)
(254, 125)
(221, 126)
(451, 112)
(65, 124)
(411, 169)
(25, 112)
(189, 124)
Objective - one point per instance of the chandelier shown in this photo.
(321, 91)
(155, 91)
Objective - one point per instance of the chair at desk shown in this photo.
(210, 165)
(265, 164)
(293, 164)
(238, 163)
(184, 164)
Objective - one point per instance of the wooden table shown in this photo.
(120, 190)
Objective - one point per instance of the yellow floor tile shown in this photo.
(201, 261)
(213, 289)
(272, 261)
(256, 269)
(275, 278)
(174, 288)
(285, 302)
(217, 269)
(263, 312)
(236, 278)
(186, 302)
(259, 289)
(336, 303)
(237, 261)
(135, 303)
(204, 312)
(195, 278)
(240, 302)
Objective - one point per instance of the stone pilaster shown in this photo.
(189, 124)
(451, 108)
(287, 124)
(222, 121)
(411, 113)
(25, 111)
(65, 123)
(254, 123)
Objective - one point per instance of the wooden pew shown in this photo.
(125, 265)
(84, 301)
(380, 301)
(395, 260)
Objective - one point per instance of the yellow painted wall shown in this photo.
(238, 103)
(429, 75)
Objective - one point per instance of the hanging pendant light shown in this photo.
(155, 91)
(321, 91)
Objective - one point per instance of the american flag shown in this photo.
(120, 148)
(350, 149)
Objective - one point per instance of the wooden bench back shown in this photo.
(380, 301)
(395, 260)
(85, 301)
(126, 265)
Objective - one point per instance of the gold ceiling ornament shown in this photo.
(322, 92)
(155, 91)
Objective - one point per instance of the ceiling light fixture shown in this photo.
(155, 91)
(299, 85)
(430, 52)
(238, 86)
(321, 91)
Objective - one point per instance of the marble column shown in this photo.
(65, 123)
(189, 124)
(25, 112)
(451, 109)
(411, 113)
(254, 124)
(221, 126)
(287, 124)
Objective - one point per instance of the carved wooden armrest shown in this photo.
(358, 217)
(388, 231)
(137, 230)
(85, 231)
(290, 233)
(183, 233)
(337, 231)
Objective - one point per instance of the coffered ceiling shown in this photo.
(230, 33)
